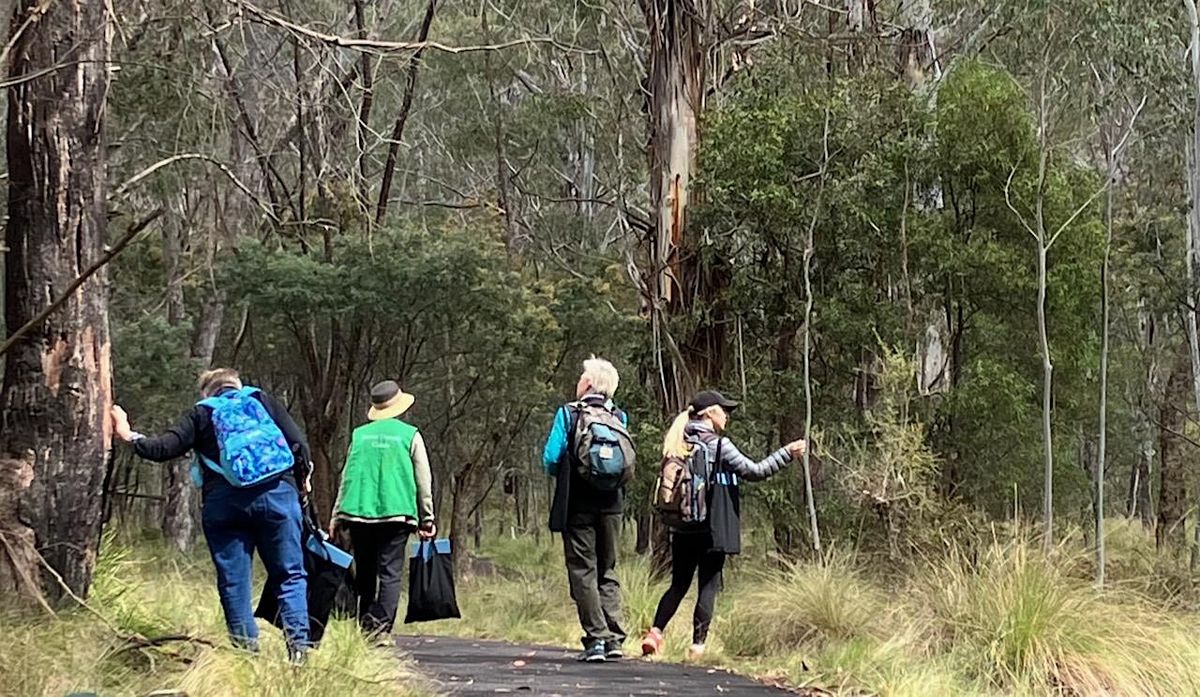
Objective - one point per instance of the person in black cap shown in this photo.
(701, 425)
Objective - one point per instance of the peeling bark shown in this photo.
(57, 382)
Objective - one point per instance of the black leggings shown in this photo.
(689, 552)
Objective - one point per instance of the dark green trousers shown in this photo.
(590, 542)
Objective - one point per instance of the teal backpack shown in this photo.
(603, 449)
(253, 448)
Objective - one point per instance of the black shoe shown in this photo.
(613, 651)
(297, 655)
(594, 653)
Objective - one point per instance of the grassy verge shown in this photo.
(1002, 620)
(156, 593)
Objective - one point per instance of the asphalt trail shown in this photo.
(477, 667)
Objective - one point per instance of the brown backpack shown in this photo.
(681, 493)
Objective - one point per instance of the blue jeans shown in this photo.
(266, 517)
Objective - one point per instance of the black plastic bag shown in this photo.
(725, 513)
(325, 581)
(431, 583)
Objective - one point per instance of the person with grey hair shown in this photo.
(590, 455)
(249, 457)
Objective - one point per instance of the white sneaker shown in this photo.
(695, 652)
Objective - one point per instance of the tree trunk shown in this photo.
(1102, 442)
(410, 88)
(676, 101)
(1047, 404)
(1172, 495)
(1139, 502)
(1044, 241)
(1192, 253)
(643, 522)
(19, 566)
(180, 503)
(322, 429)
(915, 52)
(57, 388)
(208, 328)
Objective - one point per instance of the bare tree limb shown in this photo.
(108, 256)
(410, 88)
(129, 183)
(381, 47)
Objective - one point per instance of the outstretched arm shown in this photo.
(175, 442)
(734, 461)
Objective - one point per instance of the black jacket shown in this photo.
(194, 431)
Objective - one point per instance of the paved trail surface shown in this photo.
(476, 667)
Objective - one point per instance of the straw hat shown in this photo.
(388, 401)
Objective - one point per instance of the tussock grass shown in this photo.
(1018, 619)
(153, 592)
(1002, 618)
(803, 603)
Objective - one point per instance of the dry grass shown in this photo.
(156, 593)
(1002, 620)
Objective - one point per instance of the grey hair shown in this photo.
(211, 381)
(601, 375)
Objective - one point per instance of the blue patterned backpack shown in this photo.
(253, 449)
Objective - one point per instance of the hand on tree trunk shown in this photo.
(120, 421)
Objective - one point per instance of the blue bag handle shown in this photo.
(426, 549)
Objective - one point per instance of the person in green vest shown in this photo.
(386, 494)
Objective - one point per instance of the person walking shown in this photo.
(590, 455)
(249, 458)
(386, 493)
(693, 550)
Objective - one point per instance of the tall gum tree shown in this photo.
(57, 380)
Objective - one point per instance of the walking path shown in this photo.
(477, 667)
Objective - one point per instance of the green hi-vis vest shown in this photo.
(378, 482)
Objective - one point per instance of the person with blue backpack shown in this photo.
(697, 497)
(591, 456)
(250, 457)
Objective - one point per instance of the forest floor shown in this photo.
(142, 589)
(1003, 618)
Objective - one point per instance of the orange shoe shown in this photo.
(652, 643)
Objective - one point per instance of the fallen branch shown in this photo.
(378, 46)
(133, 640)
(35, 590)
(100, 263)
(137, 642)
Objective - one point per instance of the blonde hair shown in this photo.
(601, 375)
(674, 444)
(213, 380)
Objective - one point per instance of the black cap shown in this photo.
(709, 398)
